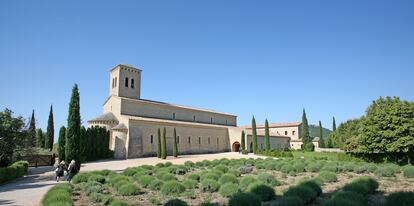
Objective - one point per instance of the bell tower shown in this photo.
(125, 81)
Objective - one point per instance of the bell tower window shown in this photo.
(126, 82)
(132, 83)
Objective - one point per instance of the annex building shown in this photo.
(133, 123)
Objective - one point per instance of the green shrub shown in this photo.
(115, 178)
(245, 169)
(144, 180)
(96, 178)
(81, 177)
(172, 188)
(264, 192)
(305, 193)
(209, 175)
(235, 172)
(175, 202)
(400, 199)
(228, 189)
(362, 185)
(168, 177)
(99, 198)
(372, 168)
(209, 204)
(160, 173)
(313, 167)
(271, 165)
(16, 170)
(245, 199)
(313, 185)
(104, 172)
(327, 177)
(129, 189)
(409, 171)
(209, 185)
(299, 167)
(246, 181)
(222, 168)
(130, 171)
(155, 184)
(118, 203)
(93, 187)
(189, 164)
(194, 176)
(154, 200)
(287, 169)
(291, 201)
(385, 171)
(228, 178)
(267, 178)
(58, 195)
(360, 169)
(190, 184)
(349, 167)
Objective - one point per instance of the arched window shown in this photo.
(286, 133)
(132, 83)
(293, 132)
(152, 139)
(126, 81)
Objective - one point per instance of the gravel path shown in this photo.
(29, 190)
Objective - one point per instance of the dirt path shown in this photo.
(30, 189)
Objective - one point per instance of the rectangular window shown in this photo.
(199, 140)
(132, 83)
(194, 119)
(178, 139)
(189, 140)
(217, 141)
(211, 120)
(293, 132)
(208, 140)
(173, 115)
(152, 139)
(226, 121)
(286, 133)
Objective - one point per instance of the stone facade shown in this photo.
(134, 122)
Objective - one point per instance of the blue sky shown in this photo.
(270, 59)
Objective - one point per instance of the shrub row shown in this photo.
(60, 194)
(16, 170)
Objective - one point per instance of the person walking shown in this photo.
(72, 170)
(60, 171)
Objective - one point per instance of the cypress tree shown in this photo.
(305, 129)
(164, 144)
(267, 140)
(74, 126)
(159, 143)
(175, 148)
(83, 145)
(333, 124)
(39, 138)
(254, 135)
(31, 132)
(61, 143)
(243, 141)
(321, 142)
(50, 133)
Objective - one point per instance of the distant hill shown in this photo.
(314, 131)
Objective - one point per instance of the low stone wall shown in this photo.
(328, 150)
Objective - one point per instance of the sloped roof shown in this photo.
(262, 133)
(104, 117)
(120, 127)
(273, 125)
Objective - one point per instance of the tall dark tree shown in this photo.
(333, 124)
(321, 141)
(31, 132)
(40, 138)
(243, 141)
(159, 151)
(74, 126)
(267, 140)
(305, 129)
(254, 135)
(164, 144)
(83, 145)
(50, 133)
(61, 143)
(175, 148)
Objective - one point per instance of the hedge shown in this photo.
(16, 170)
(60, 194)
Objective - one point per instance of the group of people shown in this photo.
(71, 170)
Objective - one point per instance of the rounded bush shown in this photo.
(129, 189)
(115, 178)
(235, 172)
(194, 176)
(160, 174)
(313, 185)
(81, 177)
(409, 171)
(118, 203)
(228, 178)
(119, 184)
(385, 171)
(267, 178)
(172, 188)
(360, 169)
(245, 169)
(144, 180)
(264, 192)
(97, 178)
(291, 201)
(222, 168)
(349, 167)
(130, 171)
(372, 168)
(58, 195)
(228, 189)
(245, 199)
(99, 198)
(313, 167)
(305, 193)
(175, 202)
(209, 185)
(400, 199)
(155, 184)
(93, 187)
(327, 176)
(189, 164)
(209, 175)
(271, 165)
(168, 177)
(190, 184)
(287, 169)
(246, 181)
(299, 167)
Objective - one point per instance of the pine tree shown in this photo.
(31, 132)
(164, 144)
(333, 124)
(39, 138)
(254, 135)
(175, 148)
(305, 129)
(50, 133)
(243, 141)
(61, 143)
(159, 143)
(321, 142)
(267, 141)
(74, 126)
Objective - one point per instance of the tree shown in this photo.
(333, 124)
(12, 136)
(83, 145)
(175, 148)
(267, 141)
(305, 129)
(31, 132)
(159, 151)
(243, 141)
(164, 144)
(40, 138)
(254, 135)
(61, 143)
(74, 126)
(321, 140)
(50, 133)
